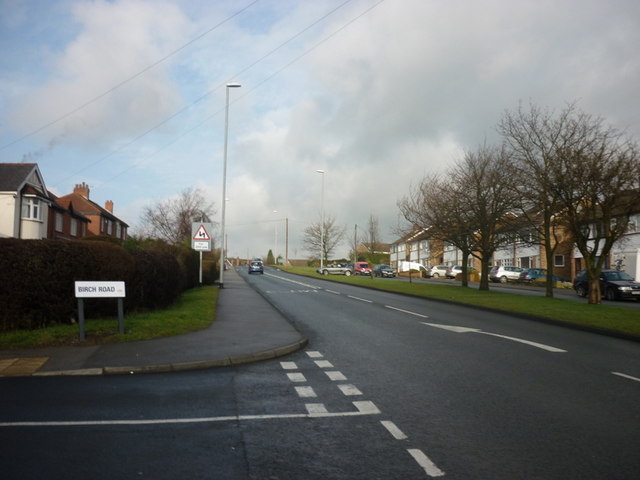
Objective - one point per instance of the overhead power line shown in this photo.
(127, 80)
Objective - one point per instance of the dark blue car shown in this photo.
(531, 274)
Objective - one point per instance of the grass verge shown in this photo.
(603, 317)
(194, 310)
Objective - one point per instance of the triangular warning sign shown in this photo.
(201, 234)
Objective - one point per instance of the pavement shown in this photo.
(247, 329)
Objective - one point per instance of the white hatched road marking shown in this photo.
(349, 390)
(316, 408)
(623, 375)
(394, 430)
(424, 461)
(336, 376)
(297, 377)
(306, 392)
(324, 364)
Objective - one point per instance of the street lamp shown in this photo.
(321, 172)
(224, 178)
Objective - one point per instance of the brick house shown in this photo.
(101, 221)
(65, 223)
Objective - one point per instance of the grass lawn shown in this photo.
(616, 319)
(194, 310)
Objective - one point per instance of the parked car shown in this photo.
(504, 274)
(383, 271)
(335, 269)
(361, 268)
(436, 271)
(614, 285)
(455, 270)
(256, 267)
(531, 274)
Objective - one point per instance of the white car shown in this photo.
(436, 271)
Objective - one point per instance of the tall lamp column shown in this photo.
(321, 172)
(224, 180)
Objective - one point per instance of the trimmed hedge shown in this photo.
(37, 280)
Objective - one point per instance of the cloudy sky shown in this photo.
(128, 96)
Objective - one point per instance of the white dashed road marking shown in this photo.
(626, 376)
(424, 461)
(393, 430)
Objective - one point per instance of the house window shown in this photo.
(118, 230)
(558, 260)
(74, 227)
(59, 220)
(31, 209)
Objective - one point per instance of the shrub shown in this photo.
(37, 279)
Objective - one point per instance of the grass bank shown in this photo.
(603, 317)
(194, 311)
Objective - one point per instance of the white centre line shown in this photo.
(313, 354)
(407, 311)
(315, 410)
(626, 376)
(394, 430)
(424, 461)
(360, 299)
(289, 365)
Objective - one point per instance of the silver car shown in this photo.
(504, 274)
(335, 269)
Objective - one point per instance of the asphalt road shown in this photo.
(389, 387)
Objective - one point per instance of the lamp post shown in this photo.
(321, 172)
(224, 179)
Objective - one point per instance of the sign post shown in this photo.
(201, 240)
(91, 289)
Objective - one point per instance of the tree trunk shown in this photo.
(595, 295)
(484, 274)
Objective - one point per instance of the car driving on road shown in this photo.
(256, 267)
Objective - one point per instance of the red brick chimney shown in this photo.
(108, 205)
(82, 189)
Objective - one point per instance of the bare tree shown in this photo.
(372, 241)
(315, 242)
(471, 208)
(533, 139)
(171, 219)
(435, 205)
(596, 177)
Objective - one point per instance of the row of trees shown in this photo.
(555, 176)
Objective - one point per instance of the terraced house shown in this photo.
(522, 251)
